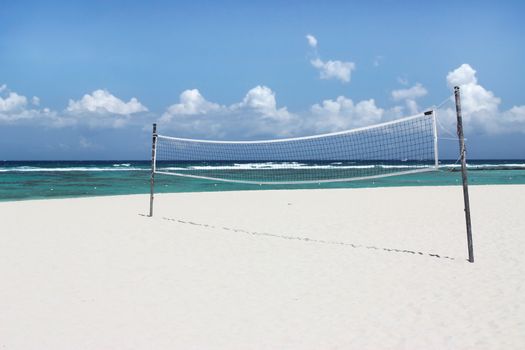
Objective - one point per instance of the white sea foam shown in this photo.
(273, 165)
(338, 165)
(170, 168)
(260, 166)
(501, 166)
(404, 166)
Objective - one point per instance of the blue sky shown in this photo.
(85, 79)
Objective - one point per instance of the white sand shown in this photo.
(95, 273)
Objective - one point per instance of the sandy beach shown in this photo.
(377, 268)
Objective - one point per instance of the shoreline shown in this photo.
(254, 190)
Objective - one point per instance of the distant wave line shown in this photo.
(260, 166)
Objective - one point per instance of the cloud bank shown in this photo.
(256, 114)
(259, 115)
(102, 102)
(98, 109)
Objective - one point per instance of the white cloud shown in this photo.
(474, 97)
(409, 96)
(100, 109)
(480, 107)
(102, 102)
(514, 119)
(14, 107)
(334, 69)
(412, 93)
(256, 114)
(12, 102)
(331, 69)
(342, 113)
(463, 75)
(261, 99)
(312, 41)
(191, 102)
(194, 115)
(412, 106)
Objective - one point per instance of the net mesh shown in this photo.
(403, 146)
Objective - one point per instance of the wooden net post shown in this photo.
(462, 153)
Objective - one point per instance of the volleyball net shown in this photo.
(403, 146)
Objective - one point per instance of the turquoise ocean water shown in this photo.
(20, 180)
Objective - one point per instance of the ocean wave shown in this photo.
(423, 166)
(339, 165)
(170, 168)
(261, 166)
(273, 165)
(502, 166)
